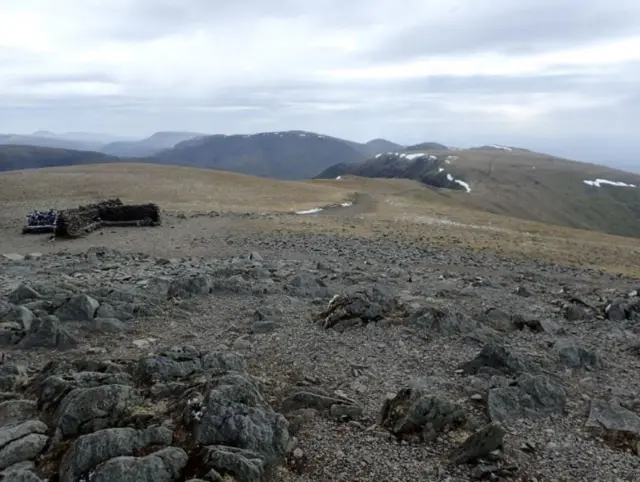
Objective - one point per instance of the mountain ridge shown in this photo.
(286, 155)
(497, 179)
(516, 182)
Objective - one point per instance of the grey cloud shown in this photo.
(100, 77)
(514, 27)
(144, 20)
(406, 111)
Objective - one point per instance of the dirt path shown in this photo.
(362, 204)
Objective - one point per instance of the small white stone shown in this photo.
(141, 343)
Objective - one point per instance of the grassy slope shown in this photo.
(533, 186)
(177, 188)
(551, 190)
(404, 209)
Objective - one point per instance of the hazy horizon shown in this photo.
(552, 77)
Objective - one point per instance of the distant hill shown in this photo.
(427, 168)
(96, 138)
(44, 139)
(516, 182)
(149, 146)
(375, 146)
(14, 157)
(280, 155)
(426, 146)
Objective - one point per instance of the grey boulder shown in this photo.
(532, 396)
(86, 410)
(21, 441)
(412, 411)
(78, 308)
(165, 465)
(48, 333)
(89, 451)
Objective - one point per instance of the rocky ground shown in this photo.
(305, 357)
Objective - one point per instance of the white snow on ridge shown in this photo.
(409, 155)
(415, 155)
(600, 182)
(464, 185)
(450, 178)
(344, 205)
(504, 148)
(440, 169)
(339, 178)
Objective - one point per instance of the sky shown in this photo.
(560, 76)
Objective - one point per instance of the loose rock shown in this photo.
(412, 411)
(480, 444)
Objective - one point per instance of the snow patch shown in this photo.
(309, 211)
(378, 156)
(503, 148)
(440, 169)
(464, 185)
(339, 178)
(317, 210)
(450, 178)
(410, 155)
(600, 182)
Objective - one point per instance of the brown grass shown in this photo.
(404, 210)
(174, 188)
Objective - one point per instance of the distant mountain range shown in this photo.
(281, 155)
(149, 146)
(107, 144)
(285, 155)
(499, 179)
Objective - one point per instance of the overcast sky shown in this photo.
(560, 75)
